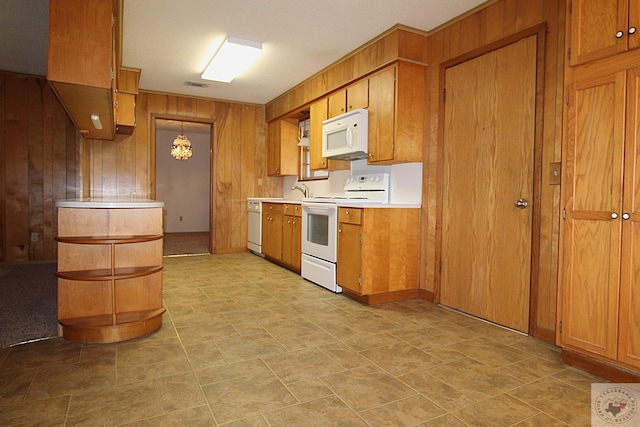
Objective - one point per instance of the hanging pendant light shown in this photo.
(181, 148)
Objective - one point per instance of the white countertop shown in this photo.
(346, 203)
(109, 203)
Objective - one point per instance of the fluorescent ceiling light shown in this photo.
(234, 56)
(95, 119)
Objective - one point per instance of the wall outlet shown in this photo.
(35, 237)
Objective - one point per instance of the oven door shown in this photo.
(319, 230)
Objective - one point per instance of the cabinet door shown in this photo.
(354, 97)
(599, 28)
(629, 332)
(382, 96)
(318, 114)
(272, 235)
(592, 235)
(349, 260)
(282, 148)
(296, 242)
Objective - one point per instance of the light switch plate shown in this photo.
(555, 173)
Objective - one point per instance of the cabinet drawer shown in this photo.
(350, 215)
(273, 207)
(293, 209)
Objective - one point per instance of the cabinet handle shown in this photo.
(339, 230)
(626, 216)
(614, 215)
(346, 212)
(632, 30)
(350, 107)
(371, 155)
(619, 34)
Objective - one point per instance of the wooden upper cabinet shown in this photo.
(318, 114)
(353, 97)
(601, 28)
(282, 147)
(81, 62)
(397, 113)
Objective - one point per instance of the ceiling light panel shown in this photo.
(234, 56)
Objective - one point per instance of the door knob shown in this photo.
(619, 34)
(632, 30)
(521, 203)
(614, 215)
(626, 216)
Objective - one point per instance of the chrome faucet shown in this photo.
(304, 190)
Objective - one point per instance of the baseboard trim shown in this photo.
(544, 334)
(427, 295)
(598, 368)
(382, 298)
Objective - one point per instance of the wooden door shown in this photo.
(629, 328)
(489, 136)
(594, 25)
(593, 181)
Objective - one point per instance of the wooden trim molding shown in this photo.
(382, 298)
(598, 368)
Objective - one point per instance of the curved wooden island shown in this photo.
(109, 269)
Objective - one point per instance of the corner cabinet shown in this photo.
(378, 253)
(109, 270)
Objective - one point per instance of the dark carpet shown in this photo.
(28, 302)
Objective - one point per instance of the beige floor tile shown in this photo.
(15, 385)
(366, 387)
(499, 411)
(399, 359)
(437, 391)
(490, 353)
(73, 378)
(551, 396)
(344, 355)
(180, 391)
(541, 420)
(54, 351)
(301, 365)
(237, 349)
(247, 397)
(115, 405)
(148, 350)
(192, 417)
(37, 412)
(475, 379)
(406, 412)
(308, 390)
(446, 421)
(232, 371)
(324, 412)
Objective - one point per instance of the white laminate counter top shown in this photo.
(109, 203)
(346, 203)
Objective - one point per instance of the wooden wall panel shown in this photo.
(118, 168)
(38, 165)
(499, 20)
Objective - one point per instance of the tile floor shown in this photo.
(246, 343)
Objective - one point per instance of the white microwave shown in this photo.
(345, 137)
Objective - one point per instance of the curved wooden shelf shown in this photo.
(105, 274)
(100, 329)
(102, 240)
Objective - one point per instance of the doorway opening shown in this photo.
(184, 186)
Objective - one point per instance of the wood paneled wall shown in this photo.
(38, 165)
(497, 21)
(118, 168)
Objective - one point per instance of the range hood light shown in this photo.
(95, 119)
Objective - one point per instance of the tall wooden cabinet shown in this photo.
(601, 283)
(109, 270)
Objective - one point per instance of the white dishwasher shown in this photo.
(254, 229)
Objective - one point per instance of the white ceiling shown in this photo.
(172, 41)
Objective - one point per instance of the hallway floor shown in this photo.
(246, 343)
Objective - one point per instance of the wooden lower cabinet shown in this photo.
(282, 234)
(109, 273)
(378, 253)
